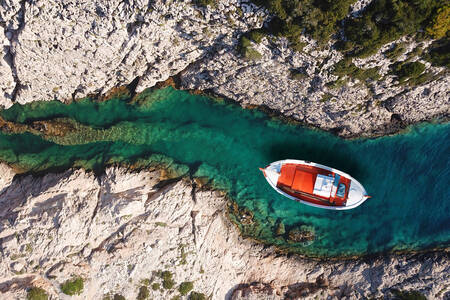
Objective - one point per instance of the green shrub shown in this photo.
(118, 297)
(246, 50)
(346, 67)
(185, 287)
(395, 52)
(440, 24)
(298, 74)
(155, 286)
(337, 83)
(251, 54)
(36, 293)
(146, 281)
(407, 70)
(326, 97)
(384, 21)
(438, 53)
(73, 286)
(409, 295)
(318, 18)
(205, 3)
(168, 282)
(256, 35)
(143, 293)
(197, 296)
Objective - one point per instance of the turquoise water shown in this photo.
(406, 174)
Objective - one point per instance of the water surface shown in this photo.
(406, 174)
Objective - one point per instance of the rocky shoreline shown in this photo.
(146, 43)
(120, 230)
(131, 233)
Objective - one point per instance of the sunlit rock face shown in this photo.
(119, 230)
(67, 50)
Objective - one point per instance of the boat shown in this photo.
(315, 184)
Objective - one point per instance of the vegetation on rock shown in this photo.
(197, 296)
(143, 293)
(246, 50)
(318, 18)
(438, 53)
(407, 70)
(384, 21)
(205, 3)
(408, 295)
(346, 67)
(36, 293)
(73, 286)
(185, 287)
(166, 277)
(397, 50)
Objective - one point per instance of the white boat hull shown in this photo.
(356, 194)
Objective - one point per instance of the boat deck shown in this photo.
(298, 181)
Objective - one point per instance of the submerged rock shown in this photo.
(280, 229)
(303, 234)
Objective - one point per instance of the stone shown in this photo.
(74, 224)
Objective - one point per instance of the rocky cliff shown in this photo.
(125, 231)
(66, 50)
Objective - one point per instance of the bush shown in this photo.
(36, 293)
(346, 67)
(251, 54)
(205, 3)
(73, 286)
(407, 70)
(256, 35)
(118, 297)
(384, 21)
(410, 295)
(298, 74)
(143, 293)
(197, 296)
(438, 53)
(317, 18)
(396, 51)
(168, 282)
(185, 287)
(325, 98)
(440, 25)
(246, 50)
(155, 286)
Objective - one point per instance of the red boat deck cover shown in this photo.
(304, 181)
(286, 175)
(296, 178)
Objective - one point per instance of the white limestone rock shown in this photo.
(6, 176)
(62, 225)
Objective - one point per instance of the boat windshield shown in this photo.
(341, 190)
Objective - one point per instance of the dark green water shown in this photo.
(406, 174)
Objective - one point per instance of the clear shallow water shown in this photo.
(407, 174)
